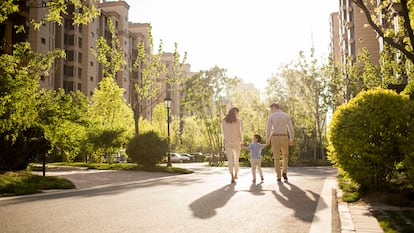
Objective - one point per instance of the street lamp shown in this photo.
(168, 102)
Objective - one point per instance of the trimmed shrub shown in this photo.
(409, 90)
(16, 154)
(369, 135)
(147, 149)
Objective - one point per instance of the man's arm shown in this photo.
(268, 130)
(291, 132)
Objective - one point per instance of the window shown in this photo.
(70, 71)
(79, 87)
(71, 40)
(80, 27)
(67, 86)
(79, 72)
(80, 42)
(91, 63)
(79, 57)
(43, 40)
(42, 77)
(91, 78)
(70, 55)
(91, 93)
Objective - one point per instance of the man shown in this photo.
(278, 126)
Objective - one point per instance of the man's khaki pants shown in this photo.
(280, 144)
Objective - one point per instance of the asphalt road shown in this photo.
(205, 201)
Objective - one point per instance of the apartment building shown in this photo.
(80, 71)
(350, 33)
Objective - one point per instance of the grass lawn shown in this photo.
(117, 166)
(23, 182)
(393, 221)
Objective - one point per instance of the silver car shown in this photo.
(178, 158)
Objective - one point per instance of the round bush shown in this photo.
(147, 149)
(369, 135)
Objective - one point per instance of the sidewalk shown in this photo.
(356, 218)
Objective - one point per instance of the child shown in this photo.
(256, 155)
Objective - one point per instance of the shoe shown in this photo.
(285, 177)
(262, 178)
(279, 180)
(233, 181)
(254, 180)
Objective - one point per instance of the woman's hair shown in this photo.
(231, 116)
(258, 137)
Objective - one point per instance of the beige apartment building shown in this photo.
(350, 33)
(80, 71)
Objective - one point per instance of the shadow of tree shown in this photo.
(296, 199)
(205, 206)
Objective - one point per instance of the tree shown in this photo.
(19, 80)
(205, 100)
(64, 119)
(109, 109)
(403, 39)
(109, 53)
(304, 93)
(111, 116)
(150, 67)
(20, 73)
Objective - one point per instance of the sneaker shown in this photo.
(285, 177)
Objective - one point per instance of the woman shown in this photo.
(232, 133)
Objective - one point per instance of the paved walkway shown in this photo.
(351, 218)
(357, 218)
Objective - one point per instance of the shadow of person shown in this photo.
(205, 206)
(256, 189)
(296, 199)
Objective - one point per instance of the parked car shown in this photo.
(178, 158)
(191, 157)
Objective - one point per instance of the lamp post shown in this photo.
(167, 102)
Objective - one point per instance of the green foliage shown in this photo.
(395, 221)
(112, 120)
(409, 90)
(17, 153)
(22, 137)
(7, 7)
(205, 100)
(350, 189)
(192, 138)
(20, 183)
(369, 135)
(147, 149)
(82, 13)
(64, 118)
(109, 54)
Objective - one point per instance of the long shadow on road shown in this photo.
(296, 199)
(205, 207)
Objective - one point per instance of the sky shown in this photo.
(251, 39)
